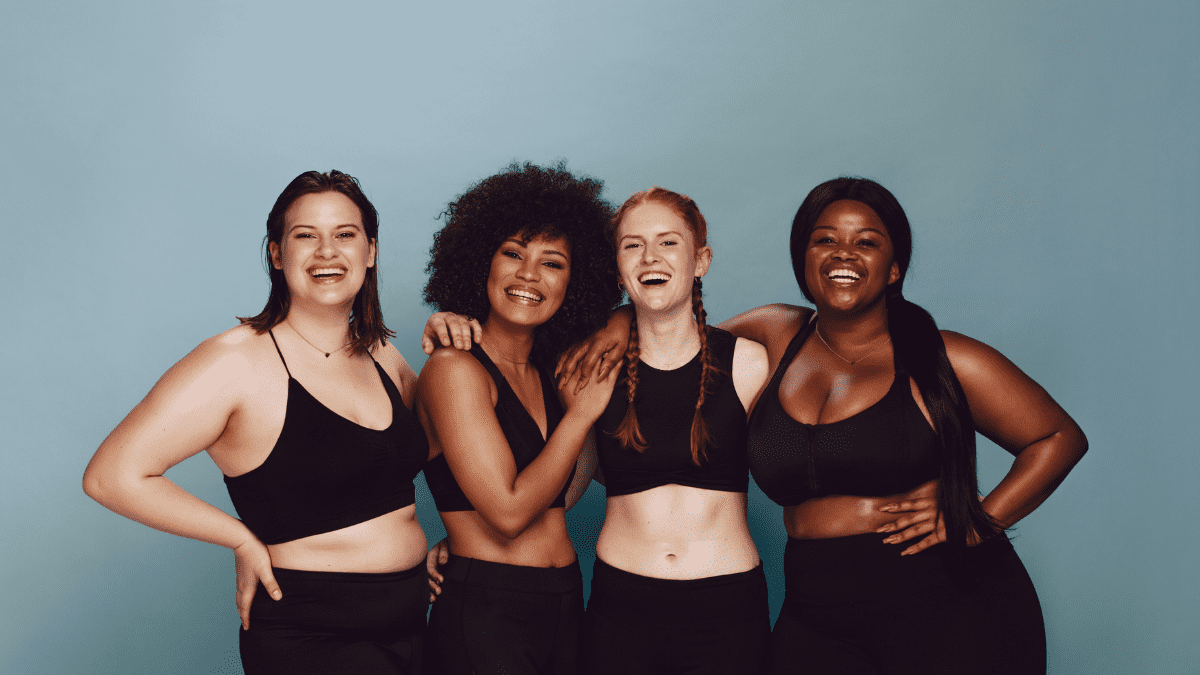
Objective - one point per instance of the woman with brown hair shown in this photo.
(305, 409)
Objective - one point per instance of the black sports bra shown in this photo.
(885, 449)
(520, 430)
(326, 472)
(665, 404)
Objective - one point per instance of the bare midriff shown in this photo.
(678, 532)
(387, 543)
(846, 515)
(544, 543)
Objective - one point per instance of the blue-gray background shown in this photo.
(1046, 155)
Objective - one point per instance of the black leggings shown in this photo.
(636, 624)
(338, 622)
(505, 619)
(855, 606)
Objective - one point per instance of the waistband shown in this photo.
(547, 580)
(861, 568)
(726, 598)
(345, 600)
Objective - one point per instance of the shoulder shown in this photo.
(449, 368)
(237, 352)
(973, 360)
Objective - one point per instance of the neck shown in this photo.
(506, 345)
(848, 334)
(327, 328)
(667, 340)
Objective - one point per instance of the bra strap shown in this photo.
(794, 346)
(272, 334)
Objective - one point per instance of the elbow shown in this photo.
(95, 486)
(511, 527)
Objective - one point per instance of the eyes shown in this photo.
(344, 235)
(866, 242)
(516, 255)
(635, 244)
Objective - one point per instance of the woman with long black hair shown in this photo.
(305, 408)
(866, 436)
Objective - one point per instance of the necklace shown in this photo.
(289, 323)
(817, 330)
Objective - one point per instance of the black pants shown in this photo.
(338, 622)
(636, 624)
(505, 619)
(855, 606)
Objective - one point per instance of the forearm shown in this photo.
(536, 487)
(159, 503)
(1036, 472)
(761, 323)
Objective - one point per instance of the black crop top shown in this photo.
(520, 430)
(665, 404)
(885, 449)
(326, 472)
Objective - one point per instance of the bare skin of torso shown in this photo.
(351, 388)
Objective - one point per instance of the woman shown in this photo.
(524, 249)
(303, 408)
(874, 419)
(677, 585)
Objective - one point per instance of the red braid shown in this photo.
(700, 435)
(629, 433)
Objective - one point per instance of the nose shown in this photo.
(650, 254)
(325, 248)
(530, 269)
(844, 252)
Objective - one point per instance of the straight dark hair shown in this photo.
(366, 315)
(919, 346)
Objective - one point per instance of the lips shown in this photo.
(654, 278)
(843, 276)
(524, 294)
(327, 272)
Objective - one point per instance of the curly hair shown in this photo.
(528, 201)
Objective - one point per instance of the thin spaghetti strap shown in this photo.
(272, 334)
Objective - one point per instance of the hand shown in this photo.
(604, 348)
(921, 519)
(253, 564)
(587, 396)
(450, 329)
(438, 555)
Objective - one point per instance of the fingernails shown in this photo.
(888, 507)
(277, 594)
(885, 528)
(891, 540)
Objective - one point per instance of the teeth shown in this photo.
(526, 294)
(654, 278)
(327, 271)
(844, 274)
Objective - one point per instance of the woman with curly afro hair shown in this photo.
(525, 252)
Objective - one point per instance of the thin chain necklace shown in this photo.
(817, 330)
(289, 323)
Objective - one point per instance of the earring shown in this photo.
(621, 286)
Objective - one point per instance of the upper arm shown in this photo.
(750, 371)
(770, 325)
(457, 404)
(1008, 407)
(185, 412)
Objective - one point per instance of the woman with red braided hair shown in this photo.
(677, 585)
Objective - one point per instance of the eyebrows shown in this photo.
(857, 231)
(545, 251)
(295, 226)
(657, 235)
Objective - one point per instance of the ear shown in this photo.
(276, 255)
(371, 262)
(894, 274)
(703, 260)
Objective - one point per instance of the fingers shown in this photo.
(245, 597)
(611, 362)
(932, 540)
(904, 533)
(568, 361)
(267, 579)
(910, 505)
(476, 330)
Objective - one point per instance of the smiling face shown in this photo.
(657, 257)
(848, 261)
(324, 252)
(528, 280)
